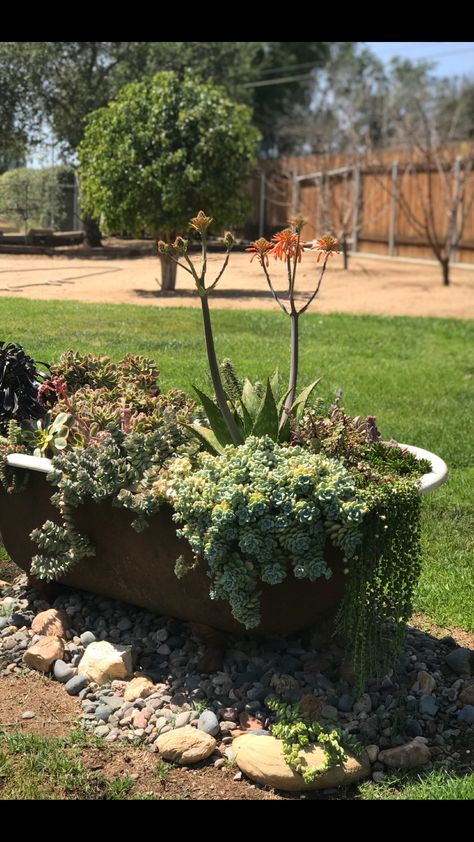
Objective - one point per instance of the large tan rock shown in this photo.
(103, 662)
(42, 655)
(410, 756)
(261, 759)
(185, 745)
(52, 623)
(138, 688)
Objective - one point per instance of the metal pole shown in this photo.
(261, 221)
(393, 210)
(355, 210)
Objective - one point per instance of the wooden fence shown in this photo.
(374, 201)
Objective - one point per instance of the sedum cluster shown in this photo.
(297, 731)
(261, 511)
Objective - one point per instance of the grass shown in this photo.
(415, 374)
(34, 768)
(437, 786)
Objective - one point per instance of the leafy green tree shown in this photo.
(56, 84)
(161, 149)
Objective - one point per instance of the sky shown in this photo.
(452, 58)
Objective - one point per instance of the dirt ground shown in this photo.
(371, 285)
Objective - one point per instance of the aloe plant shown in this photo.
(256, 410)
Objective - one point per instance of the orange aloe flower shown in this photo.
(326, 245)
(260, 248)
(286, 245)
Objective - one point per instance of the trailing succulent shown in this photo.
(297, 731)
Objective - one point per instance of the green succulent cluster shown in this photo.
(260, 511)
(78, 370)
(49, 435)
(296, 731)
(116, 465)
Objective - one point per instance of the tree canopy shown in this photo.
(161, 150)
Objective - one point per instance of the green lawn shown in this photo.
(412, 373)
(437, 786)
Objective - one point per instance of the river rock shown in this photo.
(425, 683)
(76, 684)
(102, 661)
(262, 760)
(409, 756)
(138, 688)
(466, 714)
(185, 745)
(42, 655)
(62, 671)
(52, 623)
(460, 661)
(208, 723)
(466, 696)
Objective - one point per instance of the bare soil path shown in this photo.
(370, 285)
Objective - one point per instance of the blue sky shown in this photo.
(452, 58)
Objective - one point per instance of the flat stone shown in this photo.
(28, 714)
(102, 713)
(138, 688)
(75, 685)
(409, 756)
(466, 696)
(87, 638)
(184, 718)
(428, 705)
(42, 655)
(52, 623)
(425, 683)
(185, 745)
(363, 705)
(20, 619)
(466, 714)
(372, 752)
(208, 723)
(62, 671)
(102, 662)
(263, 761)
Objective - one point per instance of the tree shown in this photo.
(161, 149)
(429, 134)
(59, 82)
(346, 108)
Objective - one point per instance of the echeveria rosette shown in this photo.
(260, 511)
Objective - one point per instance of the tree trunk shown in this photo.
(168, 273)
(445, 268)
(92, 230)
(345, 253)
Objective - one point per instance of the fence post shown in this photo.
(457, 210)
(393, 210)
(355, 210)
(261, 218)
(294, 194)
